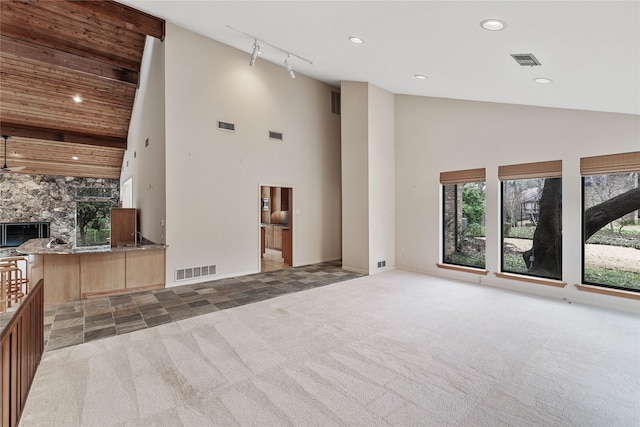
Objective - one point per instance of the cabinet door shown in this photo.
(268, 237)
(277, 238)
(123, 225)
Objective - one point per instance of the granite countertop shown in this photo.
(39, 247)
(264, 224)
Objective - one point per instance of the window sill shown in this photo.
(463, 269)
(608, 291)
(536, 280)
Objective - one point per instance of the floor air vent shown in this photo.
(526, 59)
(275, 135)
(195, 272)
(229, 127)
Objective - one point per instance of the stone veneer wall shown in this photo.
(35, 198)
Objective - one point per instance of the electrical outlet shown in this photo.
(384, 263)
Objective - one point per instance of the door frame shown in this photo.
(291, 219)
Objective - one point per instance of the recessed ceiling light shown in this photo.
(356, 40)
(420, 76)
(77, 99)
(493, 24)
(75, 158)
(542, 80)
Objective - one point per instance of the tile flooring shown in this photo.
(77, 322)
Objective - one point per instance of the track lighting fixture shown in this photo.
(256, 51)
(254, 54)
(289, 69)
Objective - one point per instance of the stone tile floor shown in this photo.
(82, 321)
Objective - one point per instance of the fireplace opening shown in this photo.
(14, 234)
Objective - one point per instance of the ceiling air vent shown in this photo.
(229, 127)
(275, 135)
(526, 59)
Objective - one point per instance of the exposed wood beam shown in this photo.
(14, 129)
(132, 19)
(35, 52)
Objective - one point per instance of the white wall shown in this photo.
(368, 170)
(354, 109)
(146, 164)
(213, 176)
(435, 135)
(381, 179)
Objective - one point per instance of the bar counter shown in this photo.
(72, 274)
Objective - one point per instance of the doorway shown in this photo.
(276, 228)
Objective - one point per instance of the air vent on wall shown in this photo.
(526, 59)
(335, 102)
(230, 127)
(275, 135)
(193, 272)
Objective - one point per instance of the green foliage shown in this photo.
(465, 260)
(520, 232)
(92, 217)
(623, 279)
(514, 263)
(476, 230)
(473, 204)
(615, 238)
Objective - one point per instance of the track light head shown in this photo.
(254, 53)
(289, 69)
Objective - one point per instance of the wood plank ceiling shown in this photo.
(54, 50)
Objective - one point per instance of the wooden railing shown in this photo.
(21, 347)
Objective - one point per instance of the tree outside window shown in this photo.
(611, 230)
(93, 215)
(532, 227)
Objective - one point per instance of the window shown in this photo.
(611, 227)
(463, 194)
(532, 219)
(93, 223)
(93, 215)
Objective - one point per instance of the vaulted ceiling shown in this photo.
(54, 51)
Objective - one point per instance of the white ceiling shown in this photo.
(591, 49)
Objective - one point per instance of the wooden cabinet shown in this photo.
(268, 237)
(277, 238)
(273, 237)
(123, 225)
(145, 268)
(101, 272)
(286, 245)
(284, 199)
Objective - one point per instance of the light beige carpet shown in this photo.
(396, 349)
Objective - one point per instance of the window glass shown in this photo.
(464, 224)
(532, 227)
(93, 223)
(89, 192)
(611, 230)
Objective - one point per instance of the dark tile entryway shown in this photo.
(82, 321)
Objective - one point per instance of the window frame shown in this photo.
(459, 177)
(612, 164)
(521, 172)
